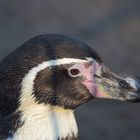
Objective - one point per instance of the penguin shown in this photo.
(45, 79)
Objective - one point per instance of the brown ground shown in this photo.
(112, 27)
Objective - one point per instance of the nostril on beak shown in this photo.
(134, 82)
(97, 76)
(124, 85)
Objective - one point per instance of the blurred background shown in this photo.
(111, 27)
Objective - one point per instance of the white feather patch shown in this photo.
(46, 123)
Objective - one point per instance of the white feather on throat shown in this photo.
(44, 122)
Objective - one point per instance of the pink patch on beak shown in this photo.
(91, 86)
(94, 90)
(90, 81)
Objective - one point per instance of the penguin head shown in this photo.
(59, 78)
(60, 71)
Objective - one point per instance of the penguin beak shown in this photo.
(113, 86)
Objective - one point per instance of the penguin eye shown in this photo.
(74, 72)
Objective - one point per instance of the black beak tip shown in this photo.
(134, 97)
(134, 83)
(134, 100)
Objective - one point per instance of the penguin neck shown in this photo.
(47, 122)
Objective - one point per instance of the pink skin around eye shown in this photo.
(89, 82)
